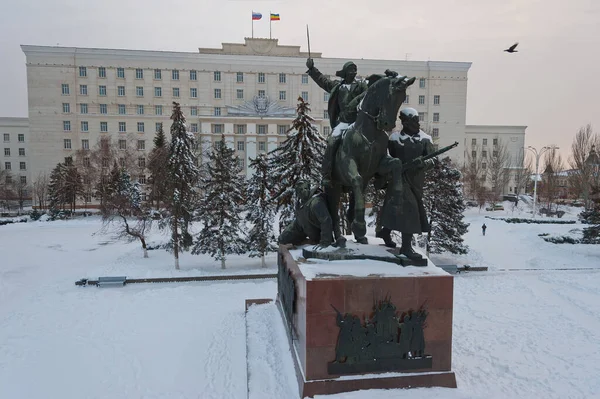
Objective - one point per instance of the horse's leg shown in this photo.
(393, 166)
(333, 193)
(359, 227)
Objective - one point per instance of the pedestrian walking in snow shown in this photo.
(483, 228)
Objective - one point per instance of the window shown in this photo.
(121, 73)
(157, 74)
(494, 154)
(140, 109)
(22, 166)
(84, 126)
(304, 79)
(66, 127)
(282, 129)
(142, 179)
(105, 162)
(495, 141)
(407, 99)
(82, 72)
(193, 75)
(102, 91)
(85, 144)
(158, 92)
(86, 162)
(325, 96)
(473, 154)
(122, 109)
(175, 74)
(122, 144)
(65, 89)
(217, 76)
(103, 109)
(139, 73)
(435, 132)
(241, 146)
(140, 127)
(262, 146)
(194, 111)
(158, 110)
(483, 165)
(239, 94)
(142, 162)
(325, 114)
(239, 77)
(23, 179)
(217, 111)
(436, 100)
(422, 83)
(83, 90)
(421, 100)
(139, 91)
(7, 166)
(157, 126)
(7, 152)
(66, 108)
(421, 116)
(240, 162)
(282, 78)
(83, 108)
(239, 129)
(217, 128)
(175, 91)
(326, 131)
(305, 95)
(101, 72)
(193, 92)
(67, 144)
(261, 77)
(194, 127)
(21, 138)
(120, 91)
(282, 95)
(6, 137)
(122, 127)
(104, 127)
(262, 94)
(217, 93)
(141, 145)
(261, 129)
(473, 141)
(484, 141)
(484, 154)
(436, 116)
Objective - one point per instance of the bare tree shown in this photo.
(522, 174)
(498, 163)
(40, 190)
(473, 172)
(22, 192)
(581, 174)
(553, 168)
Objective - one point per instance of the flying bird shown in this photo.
(512, 48)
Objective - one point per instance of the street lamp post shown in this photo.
(538, 155)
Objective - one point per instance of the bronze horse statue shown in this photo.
(364, 152)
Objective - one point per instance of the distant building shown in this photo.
(14, 154)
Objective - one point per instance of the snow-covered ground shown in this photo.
(517, 334)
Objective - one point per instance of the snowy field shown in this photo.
(517, 333)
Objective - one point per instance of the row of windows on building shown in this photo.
(8, 165)
(484, 142)
(9, 179)
(7, 152)
(85, 144)
(193, 75)
(20, 137)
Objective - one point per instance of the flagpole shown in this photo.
(270, 24)
(253, 25)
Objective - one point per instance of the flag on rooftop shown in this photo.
(274, 17)
(256, 16)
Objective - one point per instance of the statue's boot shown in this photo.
(327, 168)
(386, 235)
(406, 248)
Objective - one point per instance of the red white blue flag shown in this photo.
(256, 16)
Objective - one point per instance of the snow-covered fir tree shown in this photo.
(56, 192)
(298, 158)
(156, 165)
(123, 201)
(182, 178)
(591, 234)
(222, 205)
(260, 209)
(445, 204)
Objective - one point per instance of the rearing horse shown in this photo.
(364, 152)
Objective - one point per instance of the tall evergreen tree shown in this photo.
(156, 165)
(445, 204)
(221, 208)
(591, 234)
(298, 158)
(56, 192)
(182, 178)
(260, 209)
(73, 185)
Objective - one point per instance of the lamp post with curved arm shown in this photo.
(538, 155)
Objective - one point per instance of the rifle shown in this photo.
(413, 163)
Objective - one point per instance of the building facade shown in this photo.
(248, 92)
(14, 156)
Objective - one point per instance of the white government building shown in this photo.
(247, 91)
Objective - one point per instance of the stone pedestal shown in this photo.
(310, 290)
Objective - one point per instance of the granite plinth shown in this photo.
(352, 286)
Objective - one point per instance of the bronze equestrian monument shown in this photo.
(359, 312)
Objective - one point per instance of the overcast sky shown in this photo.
(551, 85)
